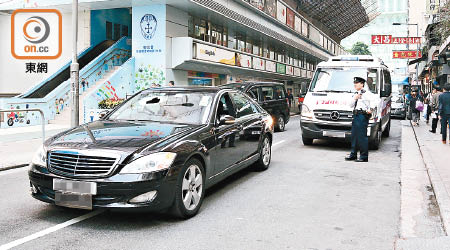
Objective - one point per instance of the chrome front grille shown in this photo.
(80, 165)
(333, 115)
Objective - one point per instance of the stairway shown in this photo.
(65, 116)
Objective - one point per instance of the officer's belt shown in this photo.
(360, 112)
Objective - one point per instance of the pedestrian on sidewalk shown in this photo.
(434, 108)
(414, 104)
(83, 84)
(290, 98)
(444, 111)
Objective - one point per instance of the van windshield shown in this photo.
(341, 79)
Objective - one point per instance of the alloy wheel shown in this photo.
(266, 151)
(192, 187)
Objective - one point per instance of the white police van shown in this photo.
(326, 111)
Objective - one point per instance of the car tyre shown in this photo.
(281, 124)
(190, 190)
(307, 141)
(387, 130)
(265, 155)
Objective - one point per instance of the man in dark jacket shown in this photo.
(444, 111)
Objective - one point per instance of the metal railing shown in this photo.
(26, 110)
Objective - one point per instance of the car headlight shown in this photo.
(306, 112)
(149, 163)
(268, 120)
(40, 157)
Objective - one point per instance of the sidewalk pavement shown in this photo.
(435, 157)
(18, 145)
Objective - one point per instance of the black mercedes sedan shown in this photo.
(158, 150)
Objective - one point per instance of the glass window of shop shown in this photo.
(248, 44)
(240, 41)
(216, 34)
(200, 29)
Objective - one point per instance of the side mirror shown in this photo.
(226, 120)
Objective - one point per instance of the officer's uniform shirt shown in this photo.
(365, 103)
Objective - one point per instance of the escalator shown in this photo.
(64, 75)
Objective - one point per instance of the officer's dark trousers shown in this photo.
(360, 141)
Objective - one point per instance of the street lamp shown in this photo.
(417, 29)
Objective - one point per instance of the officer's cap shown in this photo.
(359, 79)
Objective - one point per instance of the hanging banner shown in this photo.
(297, 72)
(290, 16)
(271, 66)
(298, 24)
(259, 63)
(406, 54)
(281, 68)
(213, 54)
(289, 70)
(271, 7)
(281, 12)
(244, 61)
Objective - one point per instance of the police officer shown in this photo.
(362, 110)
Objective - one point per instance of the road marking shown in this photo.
(13, 171)
(50, 230)
(278, 143)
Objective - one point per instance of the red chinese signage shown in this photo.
(406, 54)
(388, 39)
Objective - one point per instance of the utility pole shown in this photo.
(74, 70)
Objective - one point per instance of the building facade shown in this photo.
(391, 11)
(190, 42)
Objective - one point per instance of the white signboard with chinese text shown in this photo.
(244, 61)
(271, 66)
(259, 63)
(289, 70)
(281, 12)
(298, 24)
(297, 72)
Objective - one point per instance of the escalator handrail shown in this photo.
(97, 65)
(103, 54)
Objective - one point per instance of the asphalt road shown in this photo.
(309, 198)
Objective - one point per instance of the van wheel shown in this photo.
(307, 141)
(281, 124)
(387, 130)
(375, 143)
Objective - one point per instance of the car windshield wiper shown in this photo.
(334, 91)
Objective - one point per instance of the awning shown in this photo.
(401, 82)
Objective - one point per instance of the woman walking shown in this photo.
(415, 105)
